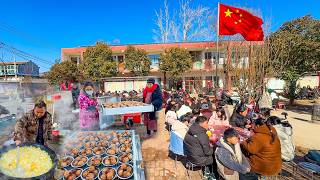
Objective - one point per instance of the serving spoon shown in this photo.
(18, 168)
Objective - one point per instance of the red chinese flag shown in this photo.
(234, 20)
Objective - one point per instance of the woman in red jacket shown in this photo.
(152, 95)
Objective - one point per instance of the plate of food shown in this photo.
(95, 161)
(71, 174)
(90, 173)
(107, 173)
(112, 151)
(79, 161)
(126, 148)
(66, 161)
(86, 152)
(125, 158)
(110, 161)
(99, 150)
(125, 171)
(73, 152)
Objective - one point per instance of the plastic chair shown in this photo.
(176, 146)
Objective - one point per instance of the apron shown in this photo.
(150, 123)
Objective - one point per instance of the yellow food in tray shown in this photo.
(33, 162)
(124, 104)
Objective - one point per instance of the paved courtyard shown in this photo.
(158, 165)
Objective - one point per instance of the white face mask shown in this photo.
(90, 93)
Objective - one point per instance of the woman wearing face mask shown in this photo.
(89, 116)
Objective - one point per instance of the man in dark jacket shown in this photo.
(196, 143)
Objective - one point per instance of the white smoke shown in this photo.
(63, 112)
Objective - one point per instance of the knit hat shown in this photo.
(151, 80)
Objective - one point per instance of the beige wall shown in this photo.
(311, 81)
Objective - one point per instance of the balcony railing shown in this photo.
(198, 65)
(208, 65)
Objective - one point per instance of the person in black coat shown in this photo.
(152, 95)
(75, 94)
(196, 143)
(238, 118)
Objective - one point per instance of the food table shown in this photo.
(109, 153)
(121, 108)
(217, 133)
(106, 120)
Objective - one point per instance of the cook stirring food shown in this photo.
(35, 126)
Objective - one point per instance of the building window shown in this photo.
(120, 59)
(208, 78)
(198, 65)
(193, 84)
(154, 60)
(233, 58)
(196, 55)
(74, 59)
(221, 58)
(215, 78)
(208, 55)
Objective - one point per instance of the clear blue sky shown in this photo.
(43, 27)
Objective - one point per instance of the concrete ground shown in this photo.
(158, 165)
(305, 133)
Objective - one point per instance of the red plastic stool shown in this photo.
(136, 117)
(281, 105)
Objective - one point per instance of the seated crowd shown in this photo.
(192, 120)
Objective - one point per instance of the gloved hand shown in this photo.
(91, 108)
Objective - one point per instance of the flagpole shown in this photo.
(217, 50)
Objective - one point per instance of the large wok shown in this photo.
(45, 176)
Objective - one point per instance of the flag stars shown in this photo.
(235, 22)
(228, 13)
(237, 11)
(240, 15)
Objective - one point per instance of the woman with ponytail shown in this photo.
(263, 150)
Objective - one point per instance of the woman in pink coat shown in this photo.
(89, 116)
(219, 118)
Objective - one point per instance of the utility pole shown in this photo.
(15, 68)
(4, 66)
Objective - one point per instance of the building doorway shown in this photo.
(193, 84)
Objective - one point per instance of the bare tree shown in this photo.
(186, 24)
(162, 31)
(193, 22)
(251, 63)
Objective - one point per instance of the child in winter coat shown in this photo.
(230, 160)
